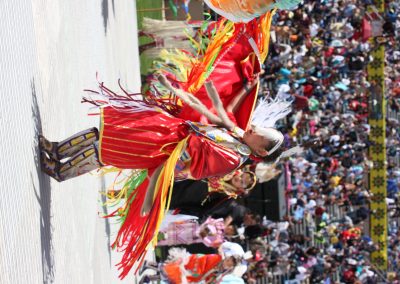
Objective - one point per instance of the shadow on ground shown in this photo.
(105, 12)
(43, 196)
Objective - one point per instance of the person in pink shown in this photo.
(212, 232)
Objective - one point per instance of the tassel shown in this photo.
(262, 32)
(138, 233)
(200, 72)
(129, 183)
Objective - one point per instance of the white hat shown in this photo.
(284, 88)
(232, 249)
(302, 269)
(273, 135)
(346, 81)
(311, 204)
(352, 261)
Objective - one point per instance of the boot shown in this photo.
(148, 265)
(81, 163)
(50, 166)
(145, 279)
(149, 279)
(70, 146)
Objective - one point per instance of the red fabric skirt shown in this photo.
(139, 140)
(144, 140)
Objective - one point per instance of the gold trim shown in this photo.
(126, 127)
(120, 159)
(249, 57)
(137, 147)
(131, 141)
(254, 104)
(131, 154)
(101, 135)
(166, 145)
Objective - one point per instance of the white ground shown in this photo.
(49, 52)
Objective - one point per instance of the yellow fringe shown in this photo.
(181, 61)
(194, 70)
(119, 184)
(202, 70)
(264, 33)
(166, 178)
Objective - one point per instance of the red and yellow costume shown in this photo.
(148, 139)
(232, 58)
(145, 140)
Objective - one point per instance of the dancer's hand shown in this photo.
(191, 101)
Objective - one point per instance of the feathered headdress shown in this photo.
(267, 113)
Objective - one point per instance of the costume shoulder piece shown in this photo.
(221, 137)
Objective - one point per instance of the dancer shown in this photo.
(212, 232)
(238, 183)
(136, 134)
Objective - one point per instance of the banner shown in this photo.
(377, 151)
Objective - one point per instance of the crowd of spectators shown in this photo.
(319, 57)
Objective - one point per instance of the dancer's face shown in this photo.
(257, 142)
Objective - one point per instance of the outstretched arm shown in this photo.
(238, 99)
(191, 101)
(216, 100)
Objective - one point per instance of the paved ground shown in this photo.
(49, 52)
